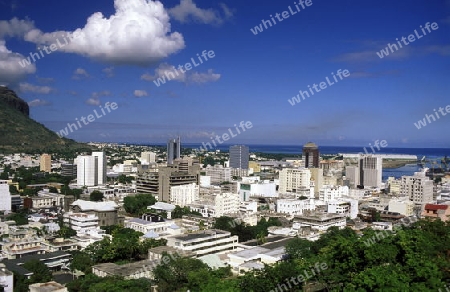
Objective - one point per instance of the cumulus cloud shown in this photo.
(11, 70)
(109, 72)
(188, 11)
(140, 93)
(95, 97)
(208, 76)
(80, 73)
(27, 87)
(165, 71)
(38, 102)
(15, 27)
(139, 33)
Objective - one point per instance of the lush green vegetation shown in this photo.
(41, 274)
(178, 212)
(137, 205)
(96, 196)
(243, 231)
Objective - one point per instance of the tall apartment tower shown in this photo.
(310, 155)
(149, 157)
(173, 150)
(46, 163)
(101, 167)
(419, 188)
(371, 169)
(87, 171)
(239, 156)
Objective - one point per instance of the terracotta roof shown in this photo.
(435, 207)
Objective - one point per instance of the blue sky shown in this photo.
(123, 45)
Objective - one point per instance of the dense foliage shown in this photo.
(243, 231)
(137, 205)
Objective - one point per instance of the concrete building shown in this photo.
(371, 169)
(22, 242)
(317, 177)
(353, 175)
(346, 207)
(204, 242)
(5, 196)
(173, 150)
(6, 279)
(81, 222)
(135, 270)
(226, 203)
(332, 193)
(321, 222)
(294, 207)
(183, 195)
(87, 171)
(294, 180)
(51, 286)
(45, 164)
(160, 183)
(394, 185)
(101, 167)
(149, 223)
(68, 169)
(402, 206)
(239, 156)
(311, 155)
(105, 211)
(261, 189)
(419, 188)
(435, 211)
(148, 157)
(218, 174)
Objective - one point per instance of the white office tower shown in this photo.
(293, 180)
(148, 157)
(352, 174)
(372, 169)
(101, 167)
(5, 196)
(419, 188)
(183, 195)
(332, 193)
(87, 171)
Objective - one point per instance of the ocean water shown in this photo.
(429, 153)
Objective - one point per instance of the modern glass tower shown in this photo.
(173, 150)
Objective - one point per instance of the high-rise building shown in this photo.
(419, 188)
(87, 170)
(173, 150)
(371, 169)
(239, 156)
(101, 167)
(148, 157)
(294, 180)
(310, 155)
(46, 163)
(5, 196)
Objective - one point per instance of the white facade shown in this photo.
(183, 195)
(6, 279)
(87, 171)
(352, 174)
(226, 203)
(204, 242)
(372, 168)
(419, 188)
(332, 193)
(404, 207)
(346, 207)
(148, 157)
(322, 222)
(394, 185)
(101, 167)
(294, 179)
(294, 207)
(81, 222)
(218, 173)
(5, 196)
(145, 226)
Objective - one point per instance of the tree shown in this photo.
(41, 273)
(81, 262)
(53, 190)
(66, 232)
(137, 205)
(13, 190)
(96, 196)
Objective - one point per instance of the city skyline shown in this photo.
(372, 71)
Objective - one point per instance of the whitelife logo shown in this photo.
(170, 74)
(411, 38)
(90, 118)
(423, 123)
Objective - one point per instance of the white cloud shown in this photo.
(109, 72)
(38, 102)
(140, 93)
(27, 87)
(139, 33)
(15, 27)
(188, 11)
(209, 76)
(80, 73)
(11, 71)
(164, 70)
(93, 101)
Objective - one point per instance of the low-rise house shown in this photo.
(435, 211)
